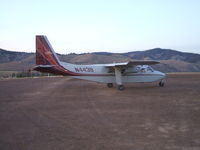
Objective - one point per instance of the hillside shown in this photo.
(9, 56)
(164, 54)
(171, 60)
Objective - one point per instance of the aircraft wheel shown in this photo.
(110, 85)
(120, 87)
(161, 83)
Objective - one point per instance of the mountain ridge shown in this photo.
(171, 60)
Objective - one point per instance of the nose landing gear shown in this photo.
(161, 83)
(119, 87)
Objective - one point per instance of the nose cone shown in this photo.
(162, 74)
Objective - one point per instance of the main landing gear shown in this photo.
(119, 87)
(161, 83)
(110, 85)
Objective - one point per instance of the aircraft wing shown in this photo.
(132, 63)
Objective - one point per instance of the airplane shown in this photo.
(118, 73)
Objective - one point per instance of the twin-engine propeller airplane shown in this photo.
(132, 71)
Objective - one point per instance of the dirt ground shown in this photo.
(59, 113)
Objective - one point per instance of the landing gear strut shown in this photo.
(120, 87)
(110, 85)
(161, 83)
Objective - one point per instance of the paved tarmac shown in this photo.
(60, 113)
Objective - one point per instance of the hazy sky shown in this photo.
(101, 25)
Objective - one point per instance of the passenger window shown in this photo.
(137, 69)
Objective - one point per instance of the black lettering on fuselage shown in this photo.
(84, 69)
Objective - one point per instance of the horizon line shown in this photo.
(108, 51)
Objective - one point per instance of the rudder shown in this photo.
(45, 54)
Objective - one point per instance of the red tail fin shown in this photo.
(45, 54)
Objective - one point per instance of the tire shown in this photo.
(110, 85)
(161, 83)
(120, 87)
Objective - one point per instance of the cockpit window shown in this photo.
(149, 69)
(142, 70)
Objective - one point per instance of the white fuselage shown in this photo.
(102, 73)
(119, 73)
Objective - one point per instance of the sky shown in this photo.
(81, 26)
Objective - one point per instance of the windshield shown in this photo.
(150, 69)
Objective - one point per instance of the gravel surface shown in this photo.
(59, 113)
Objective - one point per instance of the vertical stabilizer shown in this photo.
(45, 54)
